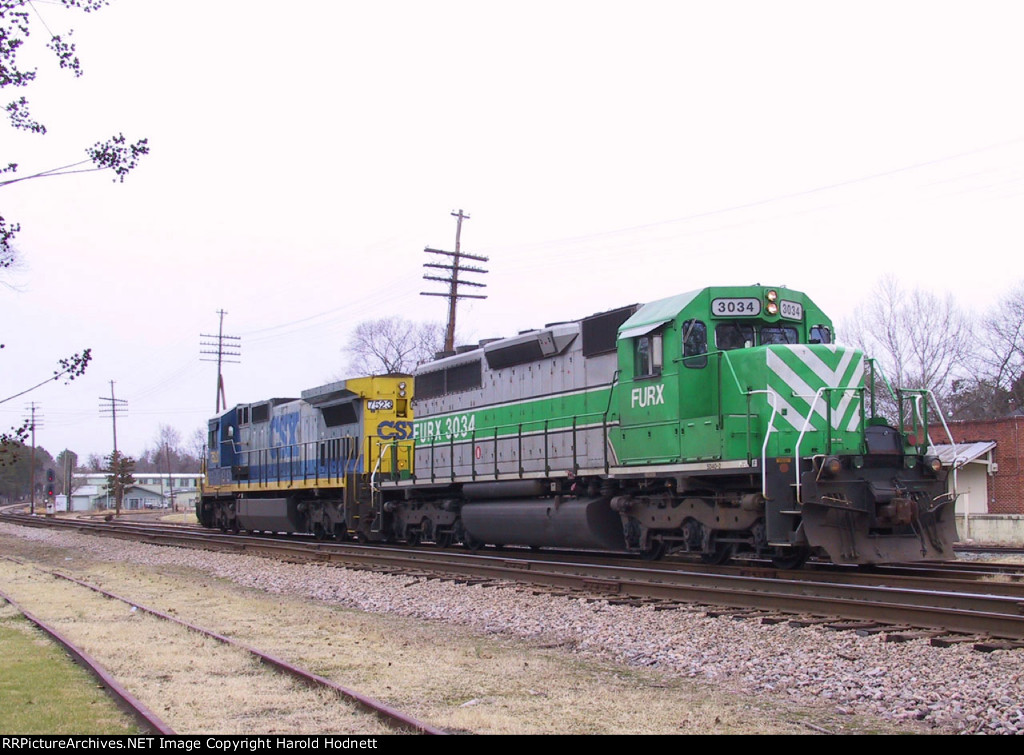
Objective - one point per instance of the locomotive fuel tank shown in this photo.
(268, 515)
(584, 524)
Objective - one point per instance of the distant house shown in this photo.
(972, 468)
(988, 458)
(151, 490)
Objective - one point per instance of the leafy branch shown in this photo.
(71, 368)
(114, 154)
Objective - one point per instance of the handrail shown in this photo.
(800, 438)
(384, 447)
(767, 436)
(302, 461)
(942, 418)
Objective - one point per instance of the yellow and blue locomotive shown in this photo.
(306, 464)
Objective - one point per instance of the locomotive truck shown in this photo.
(717, 422)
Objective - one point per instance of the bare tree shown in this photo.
(1003, 343)
(197, 443)
(920, 340)
(392, 345)
(168, 455)
(66, 461)
(996, 387)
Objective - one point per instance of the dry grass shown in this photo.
(195, 684)
(438, 672)
(44, 691)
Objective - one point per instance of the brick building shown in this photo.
(1006, 485)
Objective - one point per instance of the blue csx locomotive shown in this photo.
(715, 422)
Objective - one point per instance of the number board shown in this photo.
(791, 310)
(735, 307)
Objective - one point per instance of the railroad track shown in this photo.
(59, 614)
(984, 607)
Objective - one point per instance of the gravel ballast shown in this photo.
(952, 689)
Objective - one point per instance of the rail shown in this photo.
(549, 429)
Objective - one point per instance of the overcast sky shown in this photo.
(607, 153)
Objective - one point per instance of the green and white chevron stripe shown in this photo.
(797, 373)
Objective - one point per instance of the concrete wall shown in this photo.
(999, 529)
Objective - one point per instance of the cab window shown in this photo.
(772, 334)
(695, 344)
(734, 335)
(821, 334)
(647, 356)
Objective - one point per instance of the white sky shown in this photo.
(607, 153)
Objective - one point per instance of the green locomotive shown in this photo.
(715, 422)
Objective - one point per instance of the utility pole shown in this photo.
(454, 281)
(68, 472)
(32, 458)
(115, 458)
(110, 409)
(225, 346)
(170, 479)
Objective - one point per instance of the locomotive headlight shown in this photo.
(772, 295)
(772, 308)
(832, 466)
(933, 464)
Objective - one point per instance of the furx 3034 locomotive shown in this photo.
(715, 422)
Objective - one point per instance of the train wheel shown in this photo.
(472, 543)
(790, 558)
(443, 539)
(655, 552)
(721, 553)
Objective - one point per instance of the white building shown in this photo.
(151, 490)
